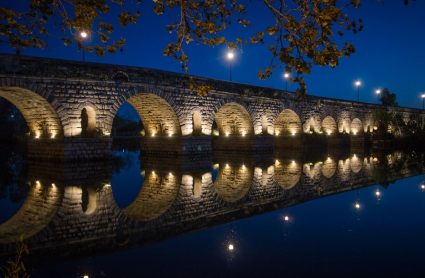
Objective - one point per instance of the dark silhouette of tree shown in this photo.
(388, 98)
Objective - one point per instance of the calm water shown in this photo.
(159, 218)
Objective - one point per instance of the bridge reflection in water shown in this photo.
(70, 210)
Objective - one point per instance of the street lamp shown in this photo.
(83, 35)
(378, 92)
(358, 86)
(423, 99)
(286, 75)
(230, 56)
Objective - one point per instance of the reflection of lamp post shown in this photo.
(286, 75)
(378, 92)
(358, 86)
(357, 201)
(84, 35)
(230, 56)
(423, 101)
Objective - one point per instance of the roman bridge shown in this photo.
(69, 107)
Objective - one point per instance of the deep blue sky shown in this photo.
(390, 54)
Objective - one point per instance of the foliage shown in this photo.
(16, 268)
(125, 125)
(388, 98)
(299, 33)
(395, 123)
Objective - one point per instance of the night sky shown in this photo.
(390, 53)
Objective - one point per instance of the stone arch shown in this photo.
(197, 123)
(233, 119)
(233, 182)
(158, 193)
(287, 173)
(156, 109)
(264, 125)
(288, 123)
(88, 122)
(329, 125)
(40, 207)
(38, 106)
(356, 127)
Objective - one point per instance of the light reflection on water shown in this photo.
(322, 237)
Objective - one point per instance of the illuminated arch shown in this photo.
(288, 123)
(157, 115)
(329, 125)
(356, 127)
(233, 182)
(88, 122)
(40, 207)
(38, 109)
(287, 173)
(158, 193)
(197, 123)
(233, 119)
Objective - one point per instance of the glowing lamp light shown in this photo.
(286, 218)
(53, 136)
(53, 185)
(84, 35)
(231, 247)
(293, 162)
(329, 132)
(227, 165)
(357, 205)
(293, 133)
(355, 132)
(107, 133)
(170, 134)
(377, 193)
(37, 136)
(153, 134)
(423, 186)
(358, 83)
(153, 172)
(276, 161)
(243, 133)
(286, 75)
(230, 55)
(277, 133)
(107, 185)
(243, 167)
(37, 182)
(170, 174)
(227, 133)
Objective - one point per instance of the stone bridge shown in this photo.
(70, 210)
(69, 107)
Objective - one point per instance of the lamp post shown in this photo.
(378, 92)
(230, 56)
(423, 101)
(358, 83)
(286, 75)
(83, 35)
